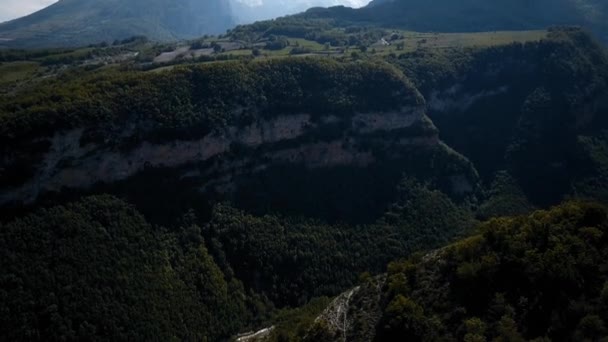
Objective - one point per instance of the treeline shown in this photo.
(536, 277)
(540, 277)
(148, 65)
(188, 102)
(443, 16)
(539, 114)
(321, 31)
(96, 269)
(198, 99)
(462, 16)
(57, 56)
(292, 260)
(13, 55)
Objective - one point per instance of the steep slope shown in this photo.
(302, 137)
(330, 167)
(82, 22)
(292, 260)
(461, 16)
(248, 12)
(95, 269)
(540, 277)
(538, 111)
(218, 124)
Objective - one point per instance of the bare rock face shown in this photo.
(71, 164)
(354, 314)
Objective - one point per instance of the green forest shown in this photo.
(537, 277)
(347, 191)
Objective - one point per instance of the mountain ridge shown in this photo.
(83, 22)
(248, 182)
(470, 15)
(499, 284)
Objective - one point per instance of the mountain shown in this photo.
(472, 15)
(250, 11)
(321, 138)
(247, 13)
(540, 277)
(164, 282)
(247, 183)
(534, 97)
(83, 22)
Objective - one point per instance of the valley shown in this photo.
(137, 52)
(335, 175)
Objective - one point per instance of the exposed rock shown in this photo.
(354, 315)
(71, 164)
(255, 336)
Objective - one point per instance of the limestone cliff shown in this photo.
(71, 164)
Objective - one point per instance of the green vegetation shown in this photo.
(174, 260)
(529, 277)
(97, 270)
(293, 260)
(24, 69)
(461, 16)
(530, 116)
(196, 100)
(16, 71)
(336, 42)
(72, 23)
(291, 323)
(321, 38)
(93, 267)
(537, 277)
(140, 54)
(505, 197)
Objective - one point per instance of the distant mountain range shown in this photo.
(196, 202)
(246, 11)
(81, 22)
(473, 15)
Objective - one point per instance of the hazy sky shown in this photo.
(11, 9)
(351, 3)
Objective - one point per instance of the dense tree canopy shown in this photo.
(440, 16)
(539, 277)
(175, 260)
(97, 269)
(198, 99)
(531, 276)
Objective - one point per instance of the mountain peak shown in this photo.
(80, 22)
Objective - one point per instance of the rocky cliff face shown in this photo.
(356, 314)
(70, 163)
(353, 315)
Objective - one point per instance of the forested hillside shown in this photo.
(471, 15)
(73, 23)
(540, 114)
(198, 198)
(540, 277)
(97, 269)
